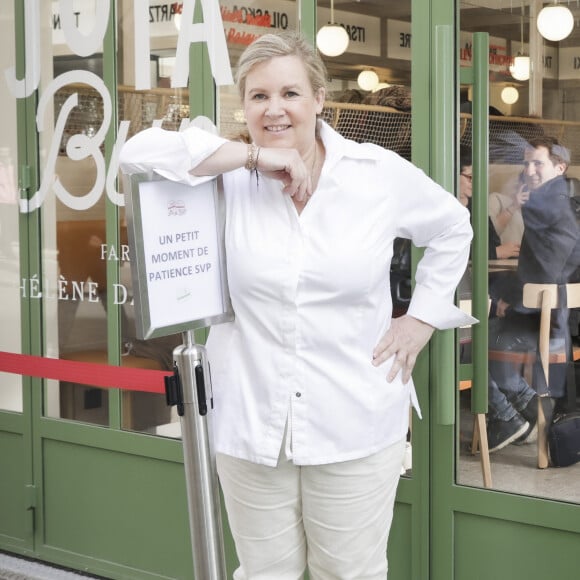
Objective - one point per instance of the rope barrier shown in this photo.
(84, 373)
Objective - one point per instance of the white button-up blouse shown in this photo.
(311, 295)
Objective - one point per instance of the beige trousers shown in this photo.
(333, 518)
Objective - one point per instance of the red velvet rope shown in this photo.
(84, 373)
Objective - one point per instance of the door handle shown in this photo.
(480, 250)
(443, 343)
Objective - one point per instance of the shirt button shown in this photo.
(298, 394)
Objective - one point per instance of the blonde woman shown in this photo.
(312, 380)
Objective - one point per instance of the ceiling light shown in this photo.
(368, 80)
(510, 95)
(555, 22)
(520, 69)
(332, 39)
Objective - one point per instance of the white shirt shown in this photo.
(311, 295)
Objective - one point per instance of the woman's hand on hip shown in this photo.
(287, 166)
(404, 340)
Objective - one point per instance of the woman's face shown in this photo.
(280, 105)
(465, 184)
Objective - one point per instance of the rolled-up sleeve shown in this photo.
(171, 154)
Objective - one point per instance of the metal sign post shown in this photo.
(190, 389)
(176, 235)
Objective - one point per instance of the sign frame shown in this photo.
(137, 202)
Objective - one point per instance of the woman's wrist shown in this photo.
(253, 157)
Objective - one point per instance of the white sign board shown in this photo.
(178, 258)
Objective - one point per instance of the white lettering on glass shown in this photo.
(112, 193)
(81, 44)
(78, 146)
(210, 32)
(142, 45)
(81, 146)
(22, 88)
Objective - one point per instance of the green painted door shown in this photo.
(523, 522)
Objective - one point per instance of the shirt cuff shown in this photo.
(437, 311)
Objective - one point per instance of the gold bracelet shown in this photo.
(253, 153)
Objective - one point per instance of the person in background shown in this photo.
(497, 250)
(312, 380)
(549, 254)
(505, 212)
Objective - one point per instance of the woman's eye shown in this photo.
(258, 97)
(291, 94)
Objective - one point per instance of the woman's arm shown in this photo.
(286, 165)
(432, 218)
(191, 155)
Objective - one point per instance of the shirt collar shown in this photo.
(337, 146)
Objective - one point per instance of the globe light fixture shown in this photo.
(520, 69)
(555, 22)
(332, 39)
(368, 80)
(510, 95)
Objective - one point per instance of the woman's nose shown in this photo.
(274, 108)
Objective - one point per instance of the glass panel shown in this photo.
(10, 333)
(379, 112)
(73, 211)
(169, 108)
(534, 159)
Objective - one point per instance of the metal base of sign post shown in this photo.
(190, 389)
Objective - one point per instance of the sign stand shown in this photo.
(190, 389)
(176, 236)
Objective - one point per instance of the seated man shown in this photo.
(549, 254)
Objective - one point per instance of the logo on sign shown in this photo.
(176, 207)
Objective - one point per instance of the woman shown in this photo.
(312, 379)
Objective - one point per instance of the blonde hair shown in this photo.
(287, 43)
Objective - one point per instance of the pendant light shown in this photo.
(555, 22)
(332, 39)
(520, 69)
(368, 80)
(510, 95)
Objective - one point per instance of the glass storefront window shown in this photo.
(534, 156)
(78, 295)
(73, 213)
(166, 107)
